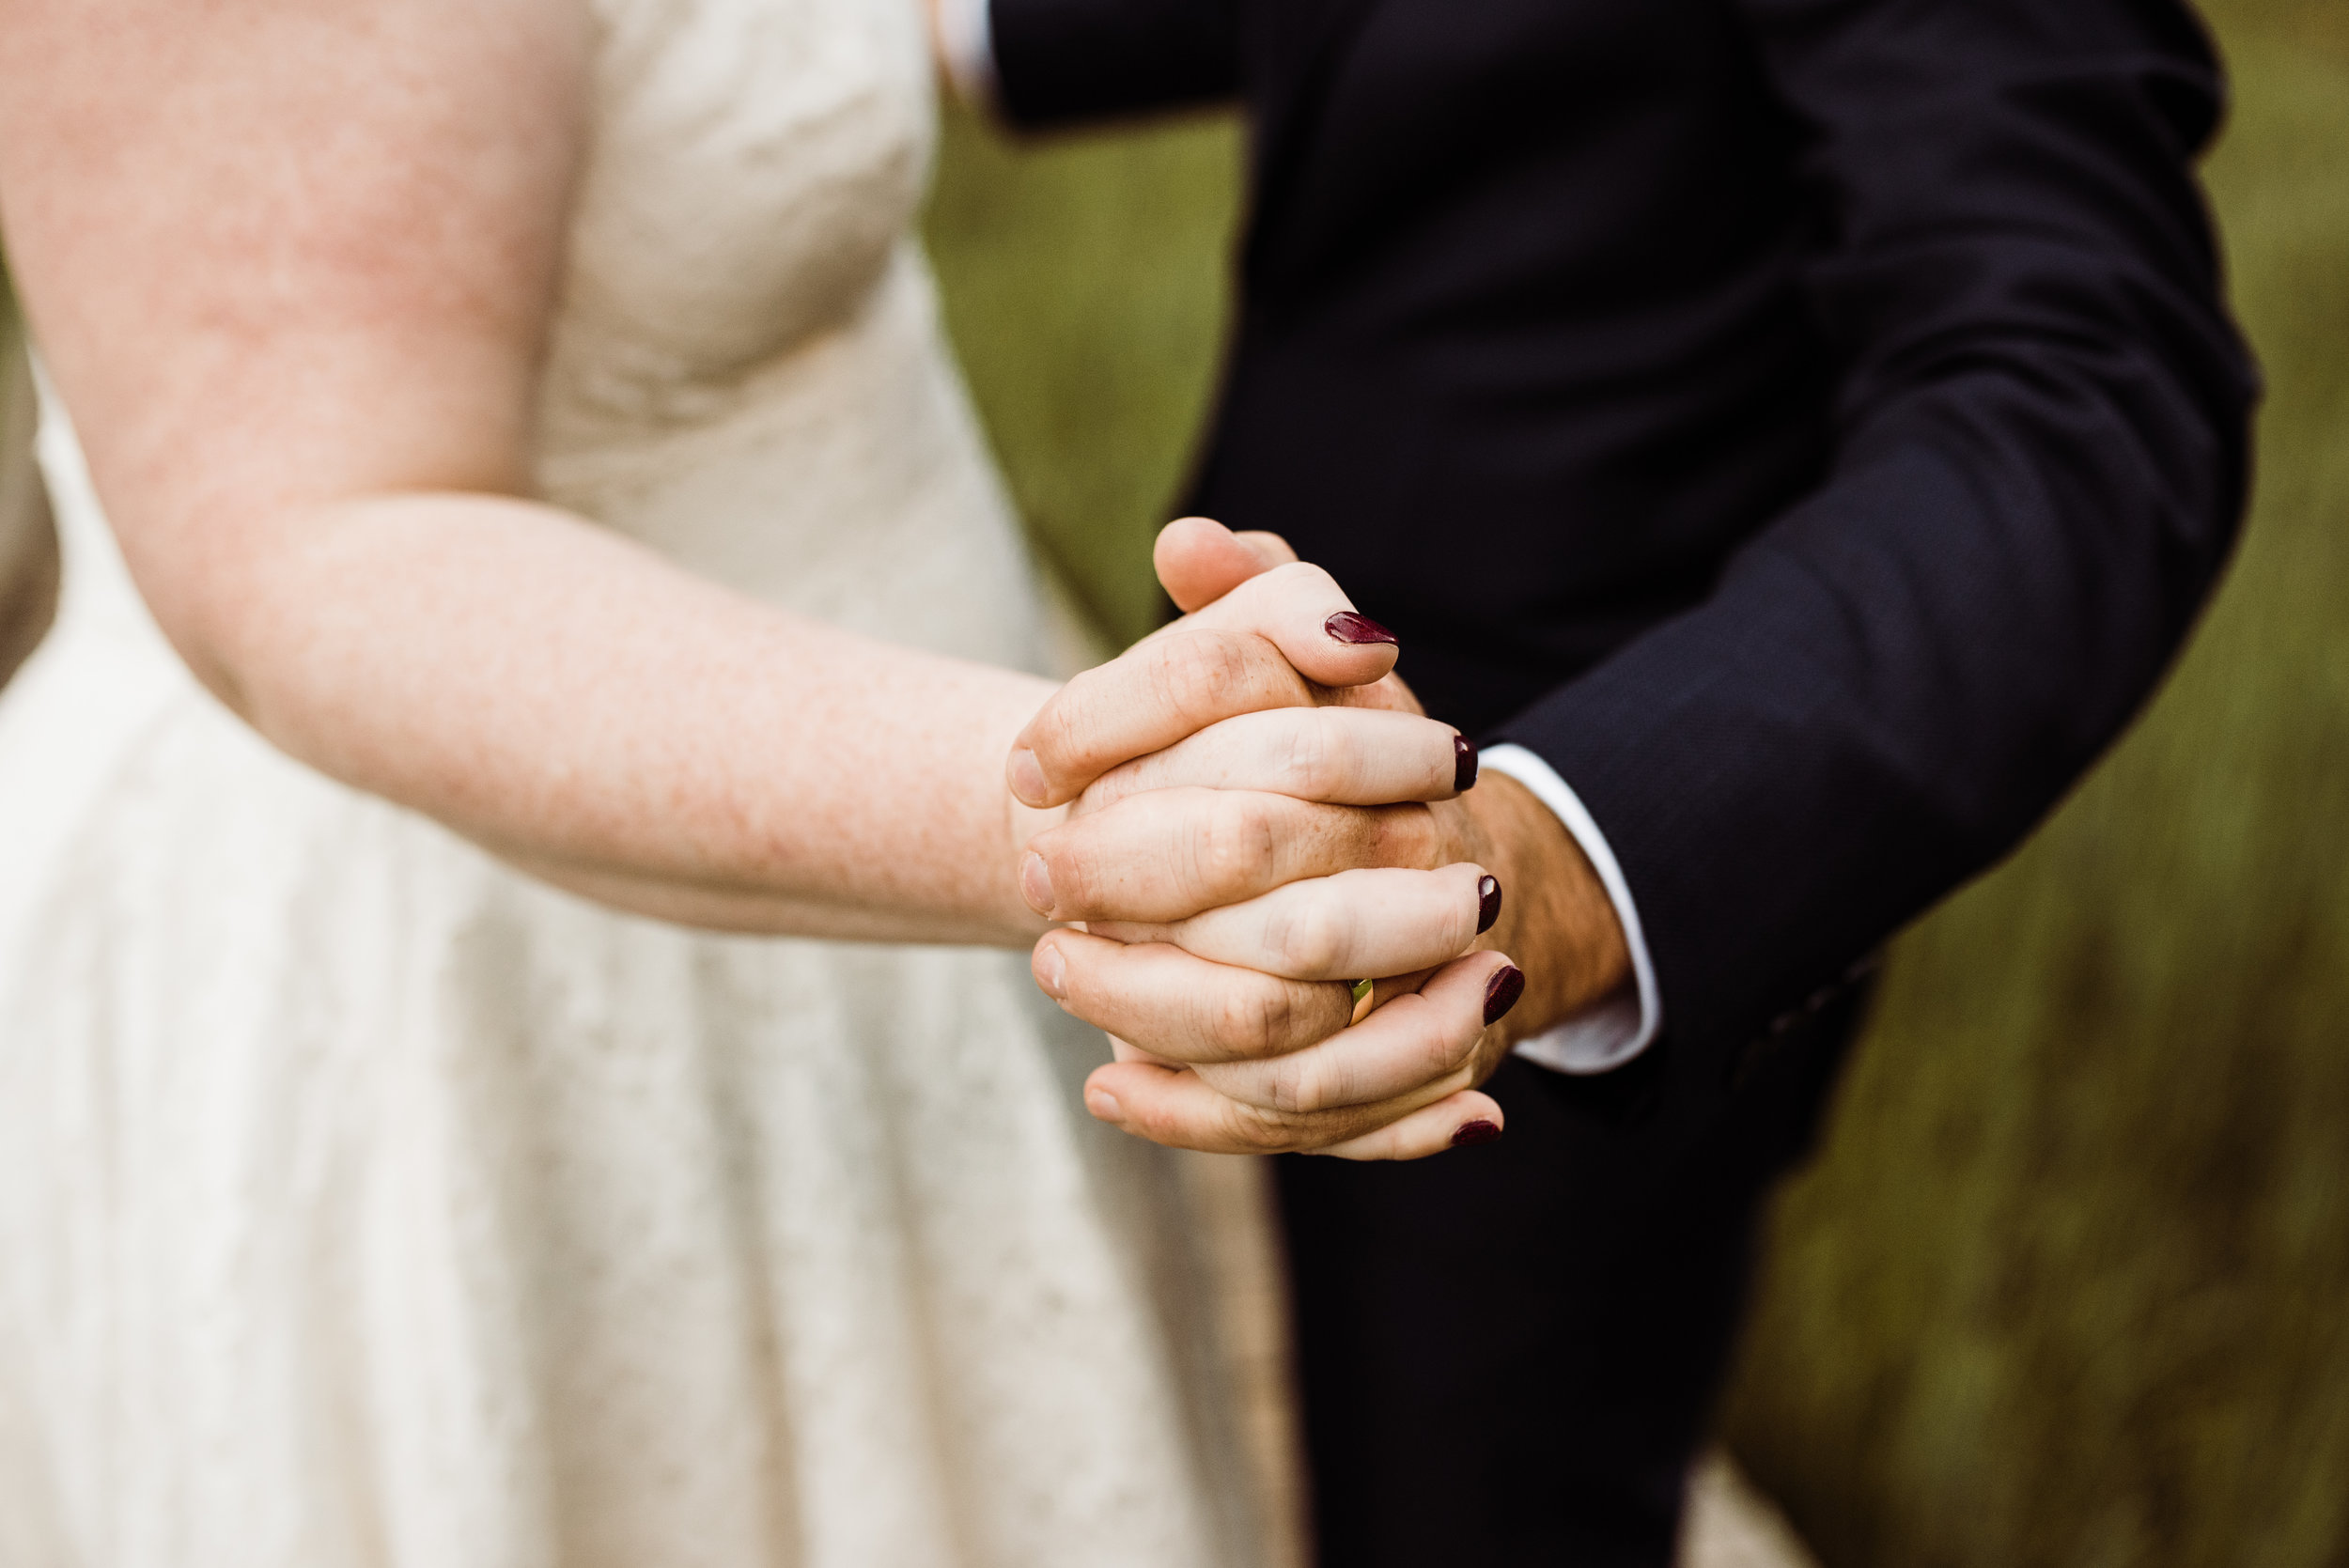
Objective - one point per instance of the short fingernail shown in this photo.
(1473, 1133)
(1488, 904)
(1463, 764)
(1027, 777)
(1350, 628)
(1503, 990)
(1051, 971)
(1104, 1106)
(1036, 883)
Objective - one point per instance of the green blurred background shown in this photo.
(2070, 1281)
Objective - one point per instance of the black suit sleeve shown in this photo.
(2040, 456)
(1064, 61)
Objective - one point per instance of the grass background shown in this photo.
(2070, 1282)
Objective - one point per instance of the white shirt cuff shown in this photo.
(1611, 1032)
(966, 42)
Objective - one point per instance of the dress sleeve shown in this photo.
(1062, 61)
(2039, 462)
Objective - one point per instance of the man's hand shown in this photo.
(1272, 848)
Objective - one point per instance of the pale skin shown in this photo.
(291, 266)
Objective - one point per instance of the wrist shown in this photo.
(1021, 822)
(1557, 923)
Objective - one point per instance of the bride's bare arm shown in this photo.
(291, 265)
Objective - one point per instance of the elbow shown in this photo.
(219, 588)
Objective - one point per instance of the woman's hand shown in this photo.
(1235, 882)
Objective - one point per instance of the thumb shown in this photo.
(1199, 560)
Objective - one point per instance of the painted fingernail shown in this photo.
(1488, 904)
(1503, 990)
(1051, 971)
(1473, 1133)
(1036, 883)
(1027, 777)
(1463, 764)
(1347, 627)
(1105, 1108)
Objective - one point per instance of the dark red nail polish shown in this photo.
(1503, 990)
(1347, 627)
(1463, 764)
(1474, 1133)
(1488, 905)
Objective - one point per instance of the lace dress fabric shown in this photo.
(365, 1203)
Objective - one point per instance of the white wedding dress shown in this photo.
(366, 1205)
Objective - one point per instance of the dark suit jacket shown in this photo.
(1810, 424)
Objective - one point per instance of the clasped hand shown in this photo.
(1259, 815)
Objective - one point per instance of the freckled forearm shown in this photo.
(624, 729)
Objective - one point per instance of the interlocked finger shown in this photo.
(1352, 756)
(1177, 1107)
(1300, 609)
(1182, 1008)
(1274, 640)
(1157, 693)
(1199, 561)
(1415, 1041)
(1341, 927)
(1166, 855)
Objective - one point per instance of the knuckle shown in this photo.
(1239, 844)
(1407, 836)
(1251, 1023)
(1264, 1130)
(1192, 674)
(1284, 1087)
(1445, 1045)
(1310, 1084)
(1160, 1123)
(1316, 760)
(1280, 1018)
(1308, 937)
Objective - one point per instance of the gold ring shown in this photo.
(1361, 1002)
